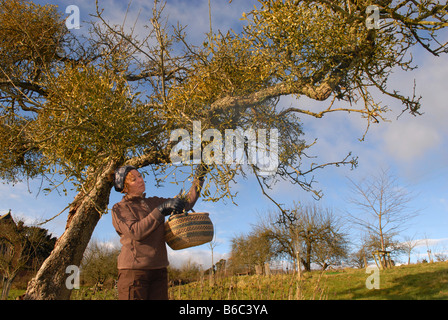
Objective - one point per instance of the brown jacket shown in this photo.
(140, 226)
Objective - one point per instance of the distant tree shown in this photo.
(189, 271)
(361, 254)
(309, 233)
(358, 258)
(21, 248)
(409, 245)
(99, 263)
(441, 255)
(251, 250)
(221, 266)
(212, 244)
(383, 209)
(391, 243)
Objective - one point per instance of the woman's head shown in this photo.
(134, 183)
(128, 180)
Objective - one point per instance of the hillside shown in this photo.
(420, 281)
(426, 281)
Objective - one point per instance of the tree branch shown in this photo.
(24, 86)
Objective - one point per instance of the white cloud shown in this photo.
(197, 255)
(410, 140)
(414, 143)
(431, 242)
(21, 190)
(418, 144)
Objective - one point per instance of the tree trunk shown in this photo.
(307, 263)
(299, 267)
(7, 283)
(50, 281)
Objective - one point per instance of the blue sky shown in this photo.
(414, 149)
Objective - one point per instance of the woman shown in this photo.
(139, 221)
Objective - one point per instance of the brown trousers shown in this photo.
(142, 284)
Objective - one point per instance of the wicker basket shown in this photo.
(187, 230)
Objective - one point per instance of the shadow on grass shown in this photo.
(419, 286)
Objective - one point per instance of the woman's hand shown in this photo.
(175, 205)
(201, 171)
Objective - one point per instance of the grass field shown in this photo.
(422, 281)
(426, 281)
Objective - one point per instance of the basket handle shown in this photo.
(183, 214)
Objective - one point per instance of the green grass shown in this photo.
(14, 293)
(427, 281)
(422, 281)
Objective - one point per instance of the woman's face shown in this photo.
(135, 185)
